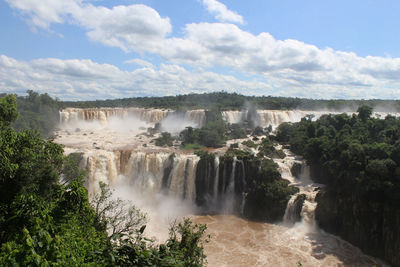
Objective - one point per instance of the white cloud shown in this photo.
(42, 14)
(222, 13)
(293, 67)
(84, 79)
(133, 27)
(286, 64)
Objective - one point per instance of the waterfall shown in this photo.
(301, 206)
(143, 170)
(216, 181)
(243, 194)
(229, 194)
(198, 116)
(233, 116)
(101, 166)
(195, 117)
(231, 183)
(216, 185)
(69, 115)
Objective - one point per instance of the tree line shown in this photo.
(234, 101)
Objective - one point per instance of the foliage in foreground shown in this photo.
(46, 223)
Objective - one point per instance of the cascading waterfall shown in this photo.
(229, 196)
(231, 184)
(171, 174)
(274, 118)
(301, 206)
(144, 171)
(70, 115)
(220, 187)
(101, 166)
(194, 118)
(243, 200)
(216, 181)
(233, 116)
(197, 116)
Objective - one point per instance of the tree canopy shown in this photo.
(358, 158)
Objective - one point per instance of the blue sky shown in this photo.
(76, 49)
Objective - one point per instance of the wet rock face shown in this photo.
(371, 226)
(295, 215)
(296, 169)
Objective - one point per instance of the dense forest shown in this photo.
(358, 159)
(37, 112)
(233, 101)
(46, 218)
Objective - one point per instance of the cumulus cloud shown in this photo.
(292, 67)
(43, 13)
(222, 13)
(84, 79)
(133, 27)
(286, 64)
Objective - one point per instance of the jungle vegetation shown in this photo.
(46, 218)
(37, 112)
(358, 158)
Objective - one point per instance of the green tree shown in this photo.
(364, 112)
(8, 110)
(164, 140)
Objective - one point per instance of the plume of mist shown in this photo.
(176, 122)
(161, 210)
(113, 123)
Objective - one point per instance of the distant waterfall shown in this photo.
(173, 121)
(194, 118)
(103, 114)
(265, 118)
